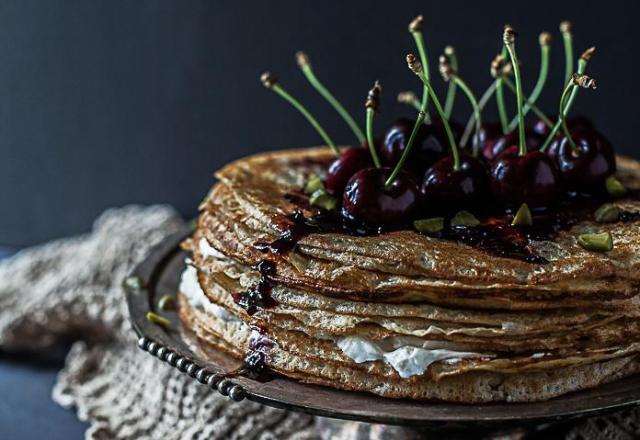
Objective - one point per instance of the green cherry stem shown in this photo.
(502, 111)
(416, 67)
(534, 108)
(271, 82)
(450, 75)
(482, 103)
(545, 43)
(372, 104)
(567, 39)
(509, 39)
(583, 81)
(582, 66)
(415, 28)
(405, 154)
(409, 98)
(304, 64)
(561, 117)
(450, 53)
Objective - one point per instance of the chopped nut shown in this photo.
(464, 218)
(429, 225)
(600, 242)
(614, 187)
(607, 213)
(167, 302)
(523, 216)
(313, 184)
(159, 320)
(323, 200)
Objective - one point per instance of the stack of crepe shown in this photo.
(404, 315)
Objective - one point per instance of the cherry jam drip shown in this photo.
(628, 216)
(259, 295)
(298, 198)
(296, 226)
(293, 228)
(256, 360)
(495, 235)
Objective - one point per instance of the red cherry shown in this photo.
(445, 189)
(367, 200)
(430, 145)
(494, 149)
(489, 132)
(542, 129)
(532, 179)
(351, 160)
(585, 169)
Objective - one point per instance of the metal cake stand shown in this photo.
(159, 275)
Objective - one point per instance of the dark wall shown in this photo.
(104, 103)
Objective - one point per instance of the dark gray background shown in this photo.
(104, 103)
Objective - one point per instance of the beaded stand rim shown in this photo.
(215, 381)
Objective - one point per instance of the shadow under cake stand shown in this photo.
(159, 275)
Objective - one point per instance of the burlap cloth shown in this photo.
(72, 288)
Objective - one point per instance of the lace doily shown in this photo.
(72, 288)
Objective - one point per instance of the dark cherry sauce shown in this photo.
(256, 360)
(259, 295)
(627, 216)
(255, 364)
(495, 235)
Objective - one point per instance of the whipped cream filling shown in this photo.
(190, 288)
(408, 356)
(206, 250)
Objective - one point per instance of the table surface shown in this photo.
(26, 408)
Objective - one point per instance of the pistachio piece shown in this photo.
(167, 302)
(614, 187)
(314, 184)
(158, 320)
(600, 242)
(322, 199)
(523, 216)
(464, 218)
(133, 282)
(607, 213)
(429, 225)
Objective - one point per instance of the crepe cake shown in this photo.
(426, 263)
(390, 314)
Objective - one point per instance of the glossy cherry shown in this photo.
(367, 200)
(540, 128)
(351, 160)
(494, 149)
(446, 189)
(429, 146)
(532, 179)
(489, 132)
(585, 169)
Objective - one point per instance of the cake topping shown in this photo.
(614, 187)
(523, 216)
(452, 60)
(607, 213)
(424, 172)
(409, 98)
(372, 105)
(271, 82)
(599, 241)
(305, 65)
(567, 39)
